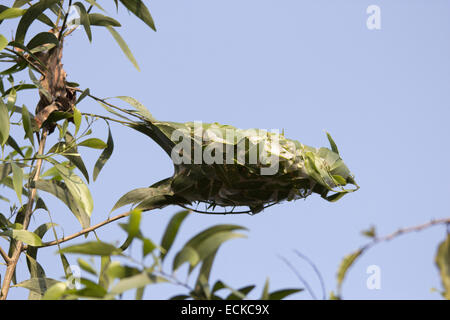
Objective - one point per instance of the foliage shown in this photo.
(58, 117)
(115, 277)
(56, 133)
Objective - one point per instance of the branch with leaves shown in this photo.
(442, 259)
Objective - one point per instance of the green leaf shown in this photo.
(20, 3)
(94, 3)
(103, 279)
(96, 248)
(97, 19)
(143, 111)
(83, 95)
(202, 283)
(204, 244)
(239, 294)
(30, 15)
(339, 180)
(25, 236)
(148, 246)
(76, 119)
(75, 159)
(80, 192)
(171, 231)
(4, 123)
(60, 190)
(86, 266)
(37, 285)
(27, 126)
(117, 271)
(3, 42)
(104, 157)
(93, 143)
(36, 271)
(140, 10)
(133, 196)
(13, 144)
(55, 292)
(265, 293)
(17, 180)
(85, 20)
(371, 232)
(122, 44)
(442, 261)
(346, 263)
(134, 223)
(91, 289)
(332, 144)
(281, 294)
(42, 39)
(12, 13)
(136, 281)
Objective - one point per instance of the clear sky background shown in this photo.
(305, 67)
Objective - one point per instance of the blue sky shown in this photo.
(305, 67)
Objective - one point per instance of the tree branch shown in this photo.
(402, 231)
(11, 268)
(392, 236)
(5, 256)
(63, 27)
(82, 232)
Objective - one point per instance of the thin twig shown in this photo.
(105, 118)
(299, 276)
(402, 231)
(82, 232)
(316, 270)
(63, 27)
(394, 235)
(5, 256)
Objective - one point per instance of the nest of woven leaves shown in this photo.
(220, 165)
